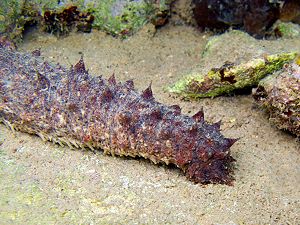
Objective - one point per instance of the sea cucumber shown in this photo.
(71, 107)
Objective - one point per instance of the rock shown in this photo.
(238, 42)
(121, 17)
(286, 30)
(116, 17)
(279, 95)
(290, 11)
(62, 21)
(182, 13)
(230, 77)
(125, 17)
(12, 18)
(253, 16)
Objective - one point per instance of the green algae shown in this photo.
(126, 20)
(116, 17)
(11, 19)
(287, 30)
(229, 77)
(124, 17)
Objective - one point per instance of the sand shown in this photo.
(43, 183)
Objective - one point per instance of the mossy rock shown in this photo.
(125, 17)
(239, 42)
(286, 30)
(230, 77)
(11, 19)
(121, 17)
(116, 17)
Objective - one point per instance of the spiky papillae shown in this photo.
(71, 107)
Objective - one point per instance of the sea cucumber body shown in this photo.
(74, 108)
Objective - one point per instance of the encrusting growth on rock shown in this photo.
(73, 108)
(279, 94)
(229, 77)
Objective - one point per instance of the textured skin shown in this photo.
(71, 107)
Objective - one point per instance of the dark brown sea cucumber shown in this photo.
(73, 108)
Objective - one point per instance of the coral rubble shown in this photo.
(279, 94)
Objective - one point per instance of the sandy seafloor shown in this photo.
(43, 183)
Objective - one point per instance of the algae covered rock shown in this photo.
(279, 94)
(9, 12)
(286, 30)
(121, 16)
(16, 14)
(69, 18)
(230, 77)
(12, 18)
(239, 43)
(116, 17)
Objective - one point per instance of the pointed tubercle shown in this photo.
(36, 53)
(147, 93)
(231, 141)
(112, 80)
(217, 125)
(129, 84)
(199, 116)
(80, 67)
(176, 108)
